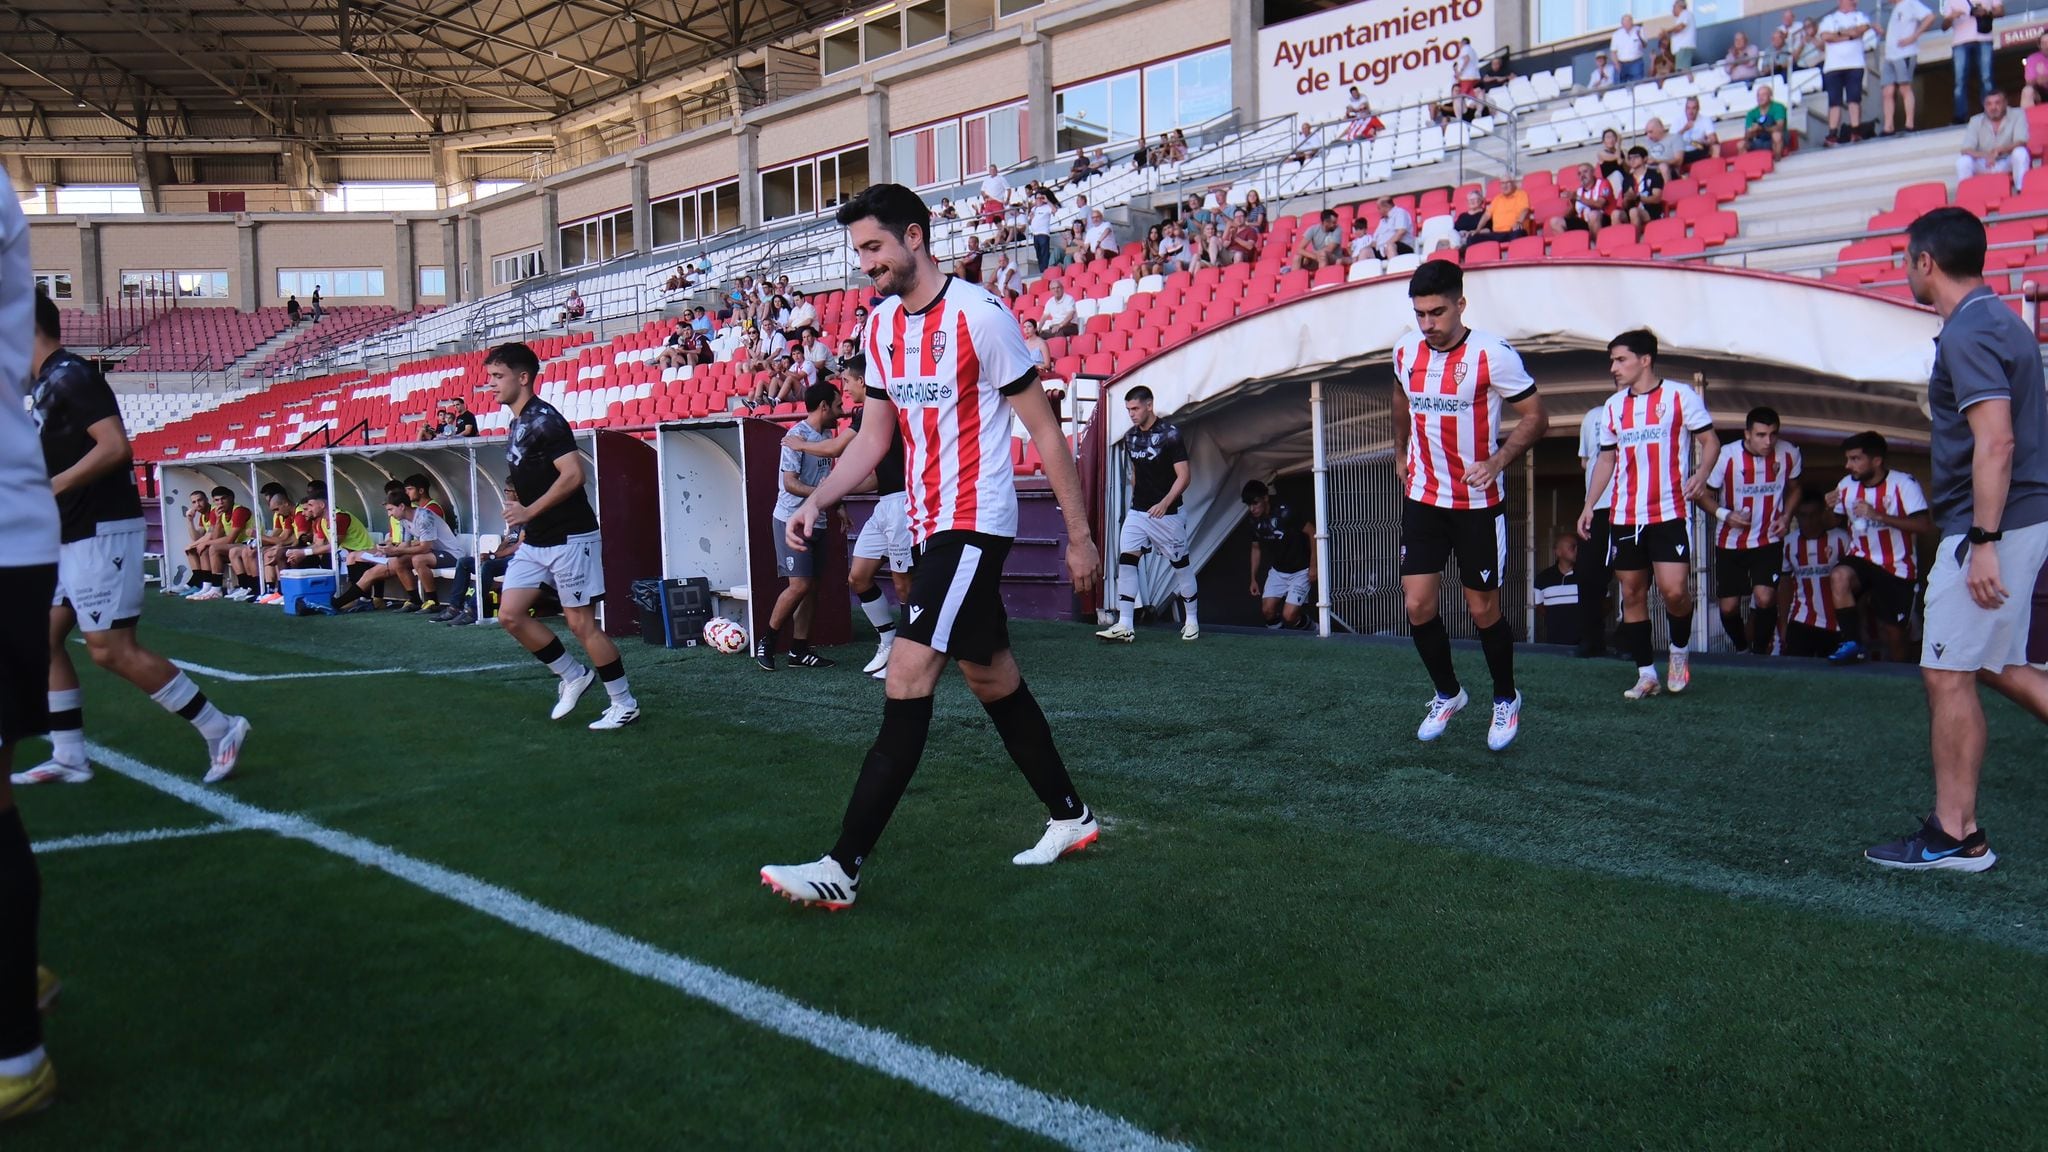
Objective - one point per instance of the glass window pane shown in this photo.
(668, 222)
(1083, 113)
(976, 144)
(882, 37)
(778, 194)
(842, 50)
(946, 154)
(1005, 139)
(725, 215)
(1159, 98)
(925, 22)
(1204, 83)
(572, 246)
(1124, 123)
(853, 174)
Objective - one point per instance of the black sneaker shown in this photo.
(460, 620)
(1931, 848)
(409, 606)
(364, 605)
(446, 614)
(810, 660)
(766, 659)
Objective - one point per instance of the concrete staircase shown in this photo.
(257, 355)
(1796, 219)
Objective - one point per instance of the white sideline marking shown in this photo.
(948, 1077)
(111, 839)
(252, 677)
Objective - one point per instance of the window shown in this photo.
(517, 266)
(380, 198)
(158, 284)
(1098, 112)
(943, 155)
(1012, 7)
(55, 285)
(597, 239)
(882, 38)
(841, 50)
(1566, 19)
(493, 187)
(1176, 94)
(696, 215)
(433, 281)
(85, 199)
(924, 23)
(1185, 92)
(809, 187)
(332, 282)
(34, 201)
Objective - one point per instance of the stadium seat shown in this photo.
(1909, 204)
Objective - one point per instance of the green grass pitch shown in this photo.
(1645, 926)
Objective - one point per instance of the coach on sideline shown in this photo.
(1990, 500)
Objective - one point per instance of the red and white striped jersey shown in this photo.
(1896, 495)
(1454, 403)
(1651, 434)
(1754, 484)
(950, 370)
(1808, 560)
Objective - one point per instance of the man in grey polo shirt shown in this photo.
(1990, 500)
(801, 472)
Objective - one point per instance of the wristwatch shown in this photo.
(1980, 536)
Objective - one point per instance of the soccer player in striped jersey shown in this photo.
(946, 363)
(1812, 549)
(1657, 447)
(1886, 512)
(1449, 384)
(1750, 493)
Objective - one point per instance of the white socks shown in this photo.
(565, 666)
(67, 744)
(881, 616)
(183, 697)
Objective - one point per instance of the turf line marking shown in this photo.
(255, 677)
(111, 839)
(1062, 1121)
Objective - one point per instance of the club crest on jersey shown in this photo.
(1458, 373)
(938, 340)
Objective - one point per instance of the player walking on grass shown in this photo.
(1159, 474)
(800, 474)
(1657, 446)
(1449, 383)
(99, 569)
(29, 556)
(561, 546)
(1751, 491)
(1886, 511)
(1989, 453)
(947, 364)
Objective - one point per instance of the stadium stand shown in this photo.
(202, 339)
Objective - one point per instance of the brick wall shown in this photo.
(706, 163)
(1170, 29)
(994, 79)
(598, 194)
(139, 245)
(510, 227)
(326, 244)
(838, 124)
(53, 247)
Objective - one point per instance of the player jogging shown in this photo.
(1751, 492)
(1159, 474)
(945, 361)
(1886, 511)
(1812, 550)
(99, 569)
(1654, 432)
(1284, 537)
(561, 546)
(1449, 382)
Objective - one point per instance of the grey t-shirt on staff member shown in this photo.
(1985, 352)
(809, 469)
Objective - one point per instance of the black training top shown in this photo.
(890, 474)
(1153, 454)
(537, 437)
(1279, 536)
(69, 397)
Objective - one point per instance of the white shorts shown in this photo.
(886, 535)
(101, 577)
(575, 568)
(1960, 636)
(1289, 586)
(1166, 535)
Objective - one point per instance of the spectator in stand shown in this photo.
(813, 352)
(1057, 317)
(1472, 220)
(1684, 35)
(292, 310)
(1612, 163)
(1910, 20)
(802, 313)
(1629, 51)
(1395, 233)
(319, 311)
(859, 327)
(1465, 75)
(1212, 251)
(1507, 217)
(675, 351)
(1244, 241)
(1667, 154)
(1320, 246)
(1073, 245)
(1643, 199)
(1304, 146)
(1360, 247)
(1588, 206)
(452, 421)
(1696, 137)
(1775, 60)
(1101, 237)
(1764, 126)
(1143, 158)
(1361, 123)
(994, 186)
(1557, 587)
(1005, 282)
(1842, 65)
(1195, 212)
(1041, 229)
(1807, 49)
(1995, 141)
(1041, 354)
(1173, 247)
(1150, 261)
(1079, 173)
(991, 211)
(837, 362)
(1497, 72)
(1969, 26)
(572, 308)
(1663, 62)
(462, 603)
(677, 280)
(2034, 76)
(1790, 27)
(1603, 74)
(1741, 60)
(946, 210)
(1254, 209)
(700, 322)
(968, 267)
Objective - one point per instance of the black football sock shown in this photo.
(1731, 623)
(348, 595)
(21, 898)
(1433, 643)
(1849, 623)
(1498, 642)
(769, 641)
(1680, 628)
(1766, 630)
(1028, 738)
(1636, 634)
(249, 582)
(884, 775)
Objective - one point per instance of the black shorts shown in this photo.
(1843, 86)
(25, 651)
(1737, 570)
(1478, 537)
(1891, 598)
(1637, 546)
(956, 596)
(1806, 640)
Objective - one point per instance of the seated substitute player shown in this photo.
(281, 534)
(1750, 491)
(99, 566)
(1284, 538)
(801, 473)
(430, 542)
(1449, 384)
(233, 528)
(1812, 550)
(462, 606)
(1887, 514)
(1656, 447)
(948, 359)
(1159, 474)
(317, 550)
(420, 490)
(198, 529)
(562, 545)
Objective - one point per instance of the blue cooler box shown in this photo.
(311, 585)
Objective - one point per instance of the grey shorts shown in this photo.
(1897, 71)
(1960, 636)
(792, 564)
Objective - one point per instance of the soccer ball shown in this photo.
(725, 635)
